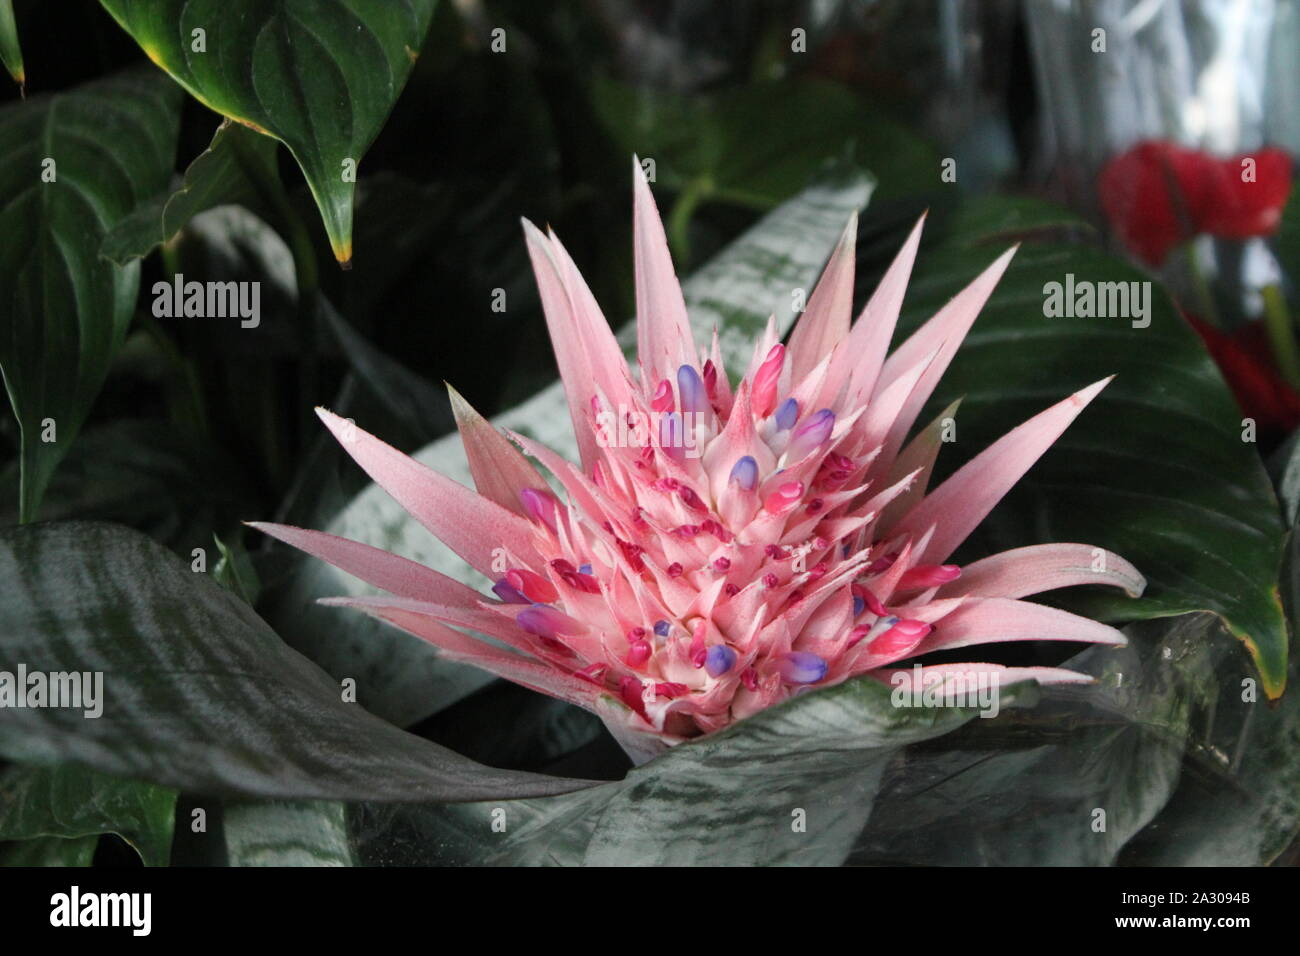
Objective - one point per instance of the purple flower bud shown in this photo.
(800, 667)
(690, 387)
(721, 659)
(505, 592)
(745, 473)
(786, 414)
(547, 621)
(810, 435)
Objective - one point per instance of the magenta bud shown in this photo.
(540, 506)
(547, 621)
(784, 498)
(662, 400)
(928, 576)
(638, 653)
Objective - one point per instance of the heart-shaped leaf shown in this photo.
(72, 166)
(321, 77)
(73, 802)
(233, 169)
(403, 679)
(1159, 470)
(197, 692)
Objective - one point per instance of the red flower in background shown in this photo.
(1159, 194)
(1247, 365)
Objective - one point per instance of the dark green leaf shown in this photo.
(420, 405)
(108, 146)
(50, 851)
(755, 793)
(234, 571)
(198, 692)
(11, 54)
(235, 168)
(320, 77)
(758, 145)
(70, 802)
(1068, 784)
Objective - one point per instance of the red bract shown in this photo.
(1159, 194)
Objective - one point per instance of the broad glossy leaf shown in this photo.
(11, 54)
(791, 785)
(199, 693)
(1070, 783)
(402, 678)
(1239, 800)
(1156, 469)
(237, 166)
(319, 76)
(286, 833)
(104, 149)
(71, 802)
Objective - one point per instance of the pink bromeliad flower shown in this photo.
(721, 549)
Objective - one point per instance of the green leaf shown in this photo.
(286, 833)
(417, 403)
(754, 794)
(1239, 802)
(11, 54)
(1155, 469)
(402, 678)
(757, 145)
(50, 851)
(234, 571)
(233, 169)
(199, 693)
(106, 148)
(71, 802)
(320, 77)
(1026, 790)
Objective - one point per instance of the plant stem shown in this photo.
(1202, 286)
(679, 220)
(1281, 335)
